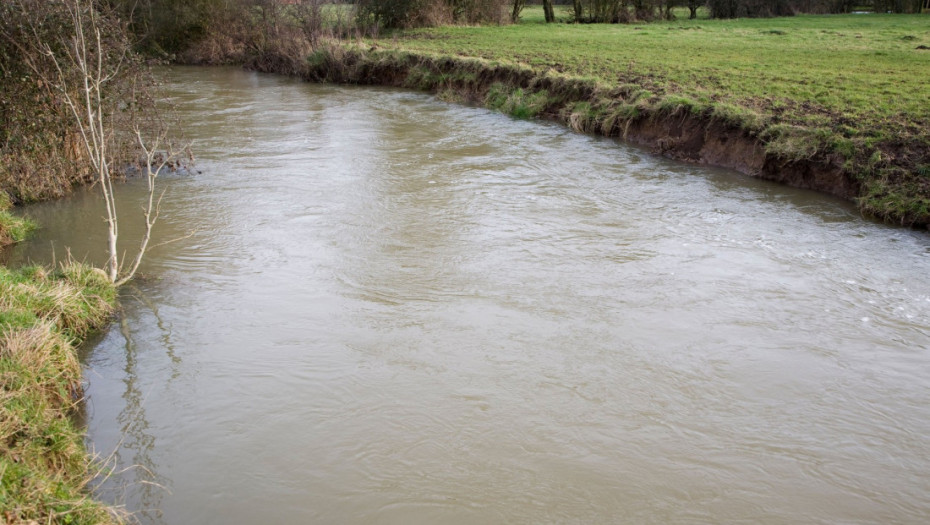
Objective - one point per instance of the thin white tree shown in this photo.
(95, 66)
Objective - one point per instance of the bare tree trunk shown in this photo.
(517, 9)
(88, 57)
(87, 109)
(692, 7)
(667, 13)
(549, 12)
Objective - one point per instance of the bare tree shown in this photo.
(693, 6)
(517, 9)
(548, 11)
(86, 60)
(154, 160)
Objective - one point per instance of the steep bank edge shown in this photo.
(673, 126)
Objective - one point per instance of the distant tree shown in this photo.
(620, 11)
(644, 9)
(424, 13)
(723, 8)
(693, 6)
(517, 9)
(898, 6)
(762, 8)
(832, 6)
(548, 11)
(749, 8)
(665, 9)
(169, 27)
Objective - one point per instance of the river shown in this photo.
(382, 308)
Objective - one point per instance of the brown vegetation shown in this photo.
(42, 154)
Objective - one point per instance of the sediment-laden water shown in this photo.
(396, 310)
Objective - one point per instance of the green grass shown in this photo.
(13, 229)
(860, 71)
(517, 103)
(43, 462)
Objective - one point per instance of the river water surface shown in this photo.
(396, 310)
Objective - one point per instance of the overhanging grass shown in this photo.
(13, 229)
(43, 463)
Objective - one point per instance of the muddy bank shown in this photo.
(707, 142)
(672, 126)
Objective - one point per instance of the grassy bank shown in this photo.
(43, 315)
(862, 73)
(833, 103)
(848, 90)
(43, 461)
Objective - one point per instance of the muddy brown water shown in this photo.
(396, 310)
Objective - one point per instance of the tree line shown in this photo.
(762, 8)
(414, 13)
(624, 11)
(169, 27)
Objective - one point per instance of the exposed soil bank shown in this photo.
(673, 126)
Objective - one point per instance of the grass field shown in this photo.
(862, 73)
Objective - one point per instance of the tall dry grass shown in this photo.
(44, 468)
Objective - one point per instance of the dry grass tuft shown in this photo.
(44, 469)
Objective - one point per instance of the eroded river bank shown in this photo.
(395, 310)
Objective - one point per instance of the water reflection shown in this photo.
(138, 443)
(140, 295)
(135, 481)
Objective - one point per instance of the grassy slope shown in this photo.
(857, 83)
(43, 462)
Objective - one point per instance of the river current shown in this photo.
(383, 308)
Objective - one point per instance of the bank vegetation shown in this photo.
(828, 101)
(44, 315)
(44, 468)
